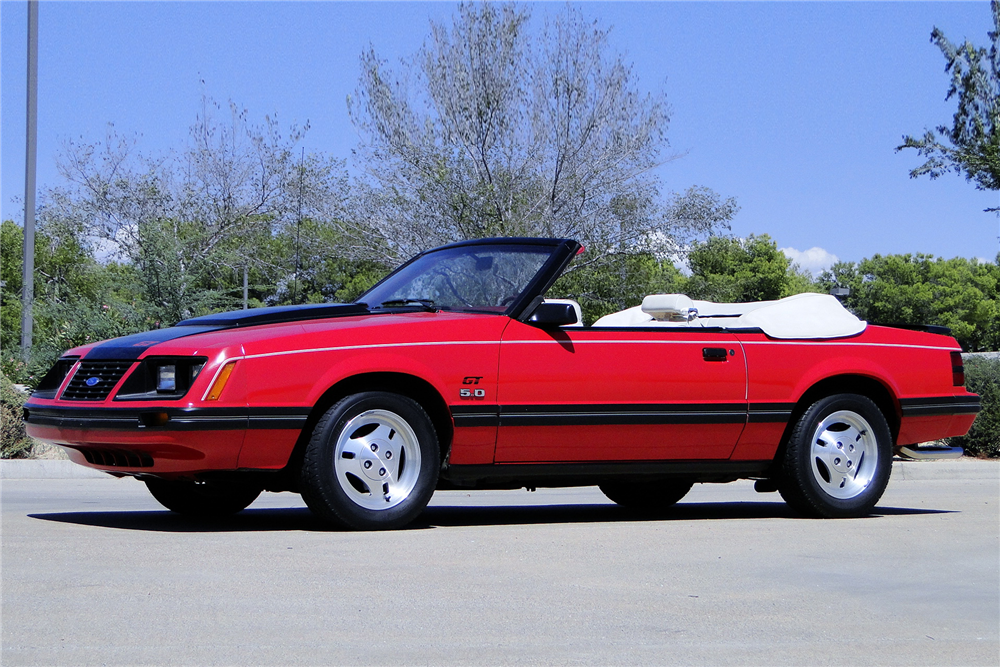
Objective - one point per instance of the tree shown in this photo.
(731, 269)
(620, 281)
(323, 273)
(135, 242)
(972, 144)
(77, 299)
(190, 222)
(494, 129)
(958, 293)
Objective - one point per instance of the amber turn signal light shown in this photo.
(220, 381)
(147, 419)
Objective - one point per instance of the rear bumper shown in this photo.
(968, 404)
(936, 417)
(929, 453)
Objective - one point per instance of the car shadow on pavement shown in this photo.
(263, 520)
(447, 516)
(444, 516)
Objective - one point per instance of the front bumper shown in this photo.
(148, 440)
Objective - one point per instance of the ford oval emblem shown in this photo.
(91, 381)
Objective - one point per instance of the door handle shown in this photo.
(714, 353)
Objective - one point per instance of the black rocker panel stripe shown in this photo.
(940, 405)
(589, 415)
(180, 419)
(711, 413)
(469, 415)
(466, 415)
(279, 418)
(615, 414)
(763, 413)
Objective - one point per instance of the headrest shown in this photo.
(670, 307)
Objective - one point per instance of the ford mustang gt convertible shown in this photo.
(455, 372)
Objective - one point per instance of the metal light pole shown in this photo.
(31, 151)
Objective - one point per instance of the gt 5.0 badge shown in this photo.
(472, 393)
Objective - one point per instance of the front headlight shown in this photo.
(164, 378)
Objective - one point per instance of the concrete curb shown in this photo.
(901, 470)
(46, 469)
(964, 468)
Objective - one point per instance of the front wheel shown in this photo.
(372, 462)
(838, 459)
(204, 499)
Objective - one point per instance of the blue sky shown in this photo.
(792, 108)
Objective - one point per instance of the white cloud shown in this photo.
(815, 260)
(106, 250)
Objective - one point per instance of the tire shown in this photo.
(204, 500)
(372, 462)
(838, 459)
(645, 496)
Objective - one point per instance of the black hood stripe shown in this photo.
(129, 348)
(277, 314)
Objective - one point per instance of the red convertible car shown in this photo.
(455, 372)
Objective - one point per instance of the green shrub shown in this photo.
(14, 442)
(982, 376)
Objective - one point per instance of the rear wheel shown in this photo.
(203, 499)
(645, 496)
(372, 462)
(838, 459)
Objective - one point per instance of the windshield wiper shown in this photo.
(424, 304)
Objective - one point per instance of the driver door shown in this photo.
(649, 393)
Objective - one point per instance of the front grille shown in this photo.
(117, 458)
(102, 377)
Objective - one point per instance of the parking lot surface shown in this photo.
(95, 572)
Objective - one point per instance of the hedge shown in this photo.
(982, 376)
(14, 442)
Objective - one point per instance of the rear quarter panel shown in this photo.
(909, 364)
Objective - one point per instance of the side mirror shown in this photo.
(553, 315)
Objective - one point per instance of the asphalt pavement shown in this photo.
(95, 572)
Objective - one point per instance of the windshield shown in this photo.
(485, 278)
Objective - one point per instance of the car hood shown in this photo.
(133, 346)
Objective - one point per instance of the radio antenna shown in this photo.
(298, 228)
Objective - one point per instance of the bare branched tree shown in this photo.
(493, 129)
(184, 218)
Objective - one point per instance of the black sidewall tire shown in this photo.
(798, 485)
(322, 491)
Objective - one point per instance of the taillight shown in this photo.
(957, 369)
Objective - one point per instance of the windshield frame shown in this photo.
(560, 251)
